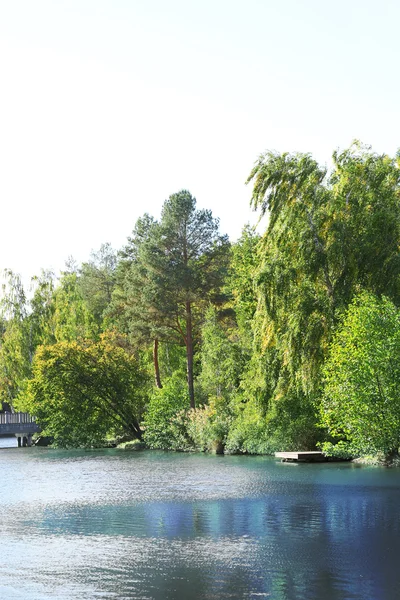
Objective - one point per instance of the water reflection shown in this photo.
(204, 528)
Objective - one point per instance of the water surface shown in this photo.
(150, 525)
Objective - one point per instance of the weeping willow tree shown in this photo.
(329, 235)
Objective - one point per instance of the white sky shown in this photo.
(109, 106)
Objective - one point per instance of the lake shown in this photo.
(115, 524)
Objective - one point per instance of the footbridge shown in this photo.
(20, 424)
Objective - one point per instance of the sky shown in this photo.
(109, 106)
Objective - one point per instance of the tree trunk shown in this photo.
(138, 433)
(189, 353)
(156, 365)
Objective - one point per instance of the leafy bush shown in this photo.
(166, 416)
(362, 377)
(340, 450)
(289, 423)
(248, 432)
(208, 426)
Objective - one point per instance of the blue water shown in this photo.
(150, 525)
(8, 442)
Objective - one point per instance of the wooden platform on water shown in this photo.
(313, 456)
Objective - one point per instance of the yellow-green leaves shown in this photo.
(82, 391)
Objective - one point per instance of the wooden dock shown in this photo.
(313, 456)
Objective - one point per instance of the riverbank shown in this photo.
(378, 460)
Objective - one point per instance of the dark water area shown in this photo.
(150, 525)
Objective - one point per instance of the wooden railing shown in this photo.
(8, 418)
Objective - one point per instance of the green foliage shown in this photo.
(208, 426)
(14, 360)
(327, 238)
(72, 317)
(362, 377)
(241, 282)
(291, 422)
(97, 281)
(170, 270)
(343, 450)
(52, 314)
(248, 433)
(15, 342)
(134, 305)
(249, 326)
(80, 392)
(221, 358)
(165, 419)
(172, 359)
(41, 314)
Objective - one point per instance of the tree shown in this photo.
(25, 325)
(328, 237)
(41, 311)
(188, 260)
(97, 281)
(15, 343)
(177, 266)
(241, 283)
(82, 391)
(362, 377)
(134, 308)
(221, 358)
(71, 316)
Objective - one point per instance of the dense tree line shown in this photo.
(287, 339)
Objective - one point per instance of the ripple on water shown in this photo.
(109, 524)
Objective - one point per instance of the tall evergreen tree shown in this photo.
(189, 260)
(134, 308)
(176, 266)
